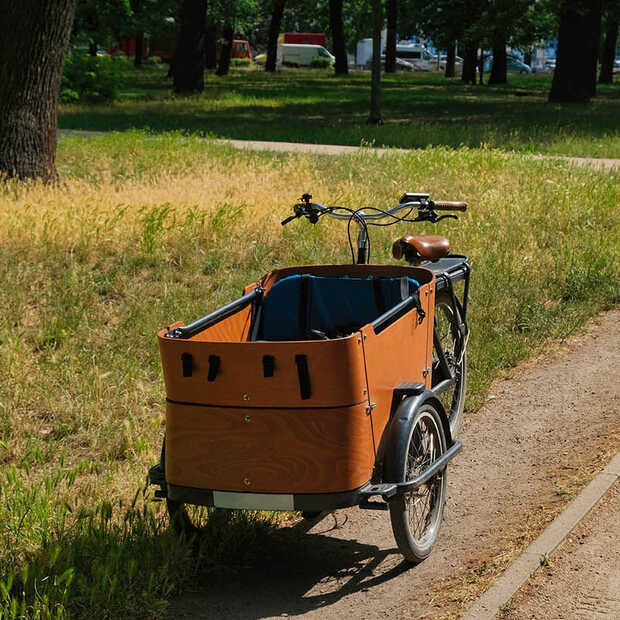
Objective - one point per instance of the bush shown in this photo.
(92, 77)
(321, 63)
(240, 62)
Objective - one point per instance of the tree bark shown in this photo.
(574, 78)
(340, 47)
(190, 50)
(480, 68)
(274, 32)
(609, 52)
(498, 68)
(390, 45)
(34, 37)
(470, 58)
(527, 58)
(92, 48)
(211, 46)
(451, 60)
(225, 51)
(375, 86)
(137, 61)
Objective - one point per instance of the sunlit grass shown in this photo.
(143, 231)
(419, 109)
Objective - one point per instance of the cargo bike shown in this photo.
(326, 386)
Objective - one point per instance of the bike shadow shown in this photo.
(299, 573)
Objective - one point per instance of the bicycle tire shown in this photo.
(447, 320)
(416, 516)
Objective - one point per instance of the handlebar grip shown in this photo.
(448, 205)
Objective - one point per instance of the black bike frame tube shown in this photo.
(187, 331)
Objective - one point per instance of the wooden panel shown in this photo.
(336, 370)
(276, 451)
(235, 328)
(399, 353)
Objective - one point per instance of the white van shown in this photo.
(301, 54)
(417, 55)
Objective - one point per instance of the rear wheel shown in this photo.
(416, 516)
(447, 321)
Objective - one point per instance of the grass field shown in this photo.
(143, 231)
(420, 110)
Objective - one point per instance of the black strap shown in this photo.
(269, 365)
(188, 364)
(379, 296)
(304, 305)
(305, 388)
(418, 306)
(404, 288)
(214, 367)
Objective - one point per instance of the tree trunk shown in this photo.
(189, 55)
(451, 60)
(498, 68)
(480, 68)
(274, 32)
(34, 37)
(137, 61)
(211, 46)
(609, 52)
(574, 78)
(375, 86)
(92, 48)
(340, 46)
(225, 50)
(527, 58)
(390, 46)
(470, 59)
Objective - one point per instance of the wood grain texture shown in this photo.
(399, 353)
(234, 328)
(276, 451)
(336, 369)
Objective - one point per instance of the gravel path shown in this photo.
(537, 442)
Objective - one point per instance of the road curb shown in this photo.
(504, 588)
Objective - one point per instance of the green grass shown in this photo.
(145, 230)
(420, 110)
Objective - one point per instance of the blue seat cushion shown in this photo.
(303, 307)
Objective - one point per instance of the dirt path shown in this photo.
(340, 149)
(537, 442)
(587, 565)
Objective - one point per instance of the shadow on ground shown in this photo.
(298, 574)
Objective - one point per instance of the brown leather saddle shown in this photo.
(420, 247)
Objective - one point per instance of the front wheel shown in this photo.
(416, 516)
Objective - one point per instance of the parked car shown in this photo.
(296, 55)
(301, 55)
(443, 58)
(513, 65)
(417, 55)
(402, 65)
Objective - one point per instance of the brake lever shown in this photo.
(450, 215)
(290, 219)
